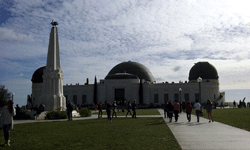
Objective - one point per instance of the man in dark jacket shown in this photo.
(100, 110)
(134, 109)
(69, 110)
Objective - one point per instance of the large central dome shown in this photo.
(133, 68)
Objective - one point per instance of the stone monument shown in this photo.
(52, 91)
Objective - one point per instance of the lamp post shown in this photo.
(199, 80)
(180, 93)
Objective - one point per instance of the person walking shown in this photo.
(100, 110)
(170, 111)
(165, 109)
(128, 108)
(209, 109)
(176, 110)
(108, 110)
(114, 109)
(134, 109)
(197, 106)
(7, 120)
(69, 110)
(183, 105)
(189, 111)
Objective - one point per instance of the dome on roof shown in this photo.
(37, 76)
(131, 68)
(121, 76)
(204, 70)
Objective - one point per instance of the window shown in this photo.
(176, 96)
(165, 97)
(156, 98)
(75, 99)
(186, 96)
(84, 99)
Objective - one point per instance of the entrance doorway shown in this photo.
(119, 95)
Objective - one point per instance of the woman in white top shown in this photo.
(7, 120)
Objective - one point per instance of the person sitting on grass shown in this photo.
(128, 108)
(209, 110)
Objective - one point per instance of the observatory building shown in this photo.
(126, 81)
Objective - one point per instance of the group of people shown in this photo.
(113, 107)
(173, 109)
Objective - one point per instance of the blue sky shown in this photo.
(168, 37)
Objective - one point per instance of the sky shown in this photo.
(168, 37)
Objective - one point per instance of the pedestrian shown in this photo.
(134, 109)
(18, 109)
(197, 106)
(69, 110)
(108, 110)
(183, 104)
(100, 110)
(170, 111)
(234, 103)
(114, 109)
(189, 111)
(165, 108)
(176, 110)
(209, 109)
(7, 120)
(128, 108)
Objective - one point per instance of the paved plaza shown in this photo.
(193, 135)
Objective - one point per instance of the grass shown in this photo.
(237, 117)
(98, 134)
(138, 112)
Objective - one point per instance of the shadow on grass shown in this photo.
(186, 123)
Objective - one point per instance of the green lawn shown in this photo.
(237, 117)
(97, 134)
(138, 112)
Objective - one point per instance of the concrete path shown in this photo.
(207, 136)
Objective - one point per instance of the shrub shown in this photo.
(84, 112)
(56, 115)
(22, 115)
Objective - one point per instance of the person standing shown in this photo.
(114, 109)
(170, 109)
(176, 110)
(189, 111)
(108, 109)
(69, 110)
(128, 108)
(165, 108)
(197, 106)
(134, 109)
(100, 110)
(7, 120)
(209, 109)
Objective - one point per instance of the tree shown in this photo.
(4, 95)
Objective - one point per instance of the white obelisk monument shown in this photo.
(52, 92)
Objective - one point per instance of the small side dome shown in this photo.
(37, 76)
(133, 68)
(204, 70)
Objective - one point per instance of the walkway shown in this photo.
(203, 135)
